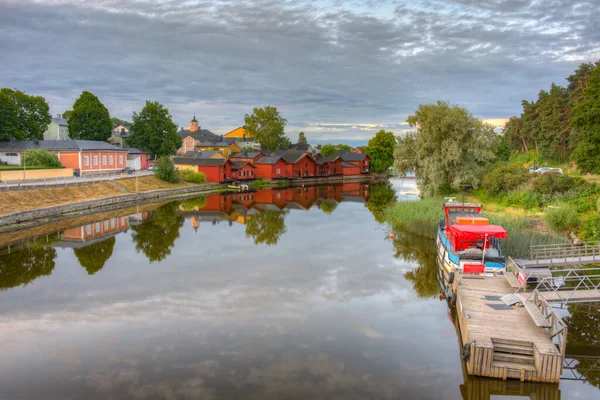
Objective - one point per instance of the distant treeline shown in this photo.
(563, 123)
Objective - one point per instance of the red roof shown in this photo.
(479, 230)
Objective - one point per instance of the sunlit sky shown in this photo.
(338, 70)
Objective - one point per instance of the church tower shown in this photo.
(194, 126)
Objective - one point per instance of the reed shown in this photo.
(422, 218)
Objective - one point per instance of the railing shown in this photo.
(65, 181)
(564, 287)
(549, 251)
(558, 329)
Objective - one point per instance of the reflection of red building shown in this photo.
(96, 230)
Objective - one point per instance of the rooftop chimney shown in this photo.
(58, 116)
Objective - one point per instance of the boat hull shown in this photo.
(451, 262)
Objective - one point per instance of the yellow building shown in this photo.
(225, 147)
(239, 133)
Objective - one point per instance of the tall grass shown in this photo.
(422, 218)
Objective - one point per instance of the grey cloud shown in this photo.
(338, 62)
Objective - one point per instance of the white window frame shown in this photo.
(95, 160)
(120, 159)
(278, 171)
(110, 160)
(103, 160)
(86, 161)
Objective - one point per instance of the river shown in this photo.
(291, 293)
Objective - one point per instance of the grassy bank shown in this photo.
(23, 200)
(422, 217)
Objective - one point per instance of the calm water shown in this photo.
(294, 293)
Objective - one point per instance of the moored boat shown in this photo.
(467, 242)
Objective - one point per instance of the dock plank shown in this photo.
(536, 314)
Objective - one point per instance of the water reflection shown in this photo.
(583, 347)
(413, 248)
(156, 236)
(20, 266)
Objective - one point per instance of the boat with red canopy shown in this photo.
(468, 242)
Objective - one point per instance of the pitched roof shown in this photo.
(293, 157)
(59, 145)
(60, 121)
(353, 156)
(211, 143)
(201, 134)
(323, 160)
(240, 164)
(346, 164)
(133, 150)
(267, 160)
(200, 154)
(208, 162)
(250, 154)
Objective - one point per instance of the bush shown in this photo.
(41, 158)
(527, 200)
(562, 218)
(259, 183)
(551, 183)
(504, 178)
(165, 170)
(194, 177)
(590, 229)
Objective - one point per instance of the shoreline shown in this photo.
(28, 218)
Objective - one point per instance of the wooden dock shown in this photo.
(501, 341)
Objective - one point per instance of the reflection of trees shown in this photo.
(156, 236)
(266, 227)
(23, 266)
(193, 204)
(328, 206)
(416, 248)
(584, 329)
(94, 256)
(382, 195)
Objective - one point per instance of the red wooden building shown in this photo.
(360, 160)
(329, 166)
(217, 170)
(243, 170)
(300, 164)
(271, 167)
(349, 169)
(250, 156)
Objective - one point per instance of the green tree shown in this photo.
(302, 138)
(164, 169)
(513, 135)
(267, 127)
(328, 150)
(41, 158)
(414, 248)
(381, 196)
(23, 266)
(22, 116)
(579, 82)
(449, 147)
(154, 131)
(66, 114)
(344, 147)
(328, 206)
(586, 119)
(156, 236)
(89, 119)
(266, 227)
(94, 256)
(381, 150)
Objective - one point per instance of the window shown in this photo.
(112, 222)
(122, 221)
(103, 160)
(120, 159)
(97, 226)
(88, 229)
(106, 225)
(86, 161)
(110, 160)
(95, 160)
(277, 171)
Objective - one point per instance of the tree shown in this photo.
(328, 150)
(156, 236)
(381, 150)
(381, 196)
(164, 169)
(450, 146)
(302, 138)
(266, 227)
(344, 147)
(579, 82)
(66, 114)
(23, 266)
(41, 158)
(267, 127)
(586, 119)
(328, 206)
(414, 248)
(154, 131)
(94, 256)
(22, 116)
(89, 119)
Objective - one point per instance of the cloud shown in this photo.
(357, 63)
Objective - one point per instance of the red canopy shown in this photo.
(466, 231)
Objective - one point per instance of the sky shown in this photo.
(337, 70)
